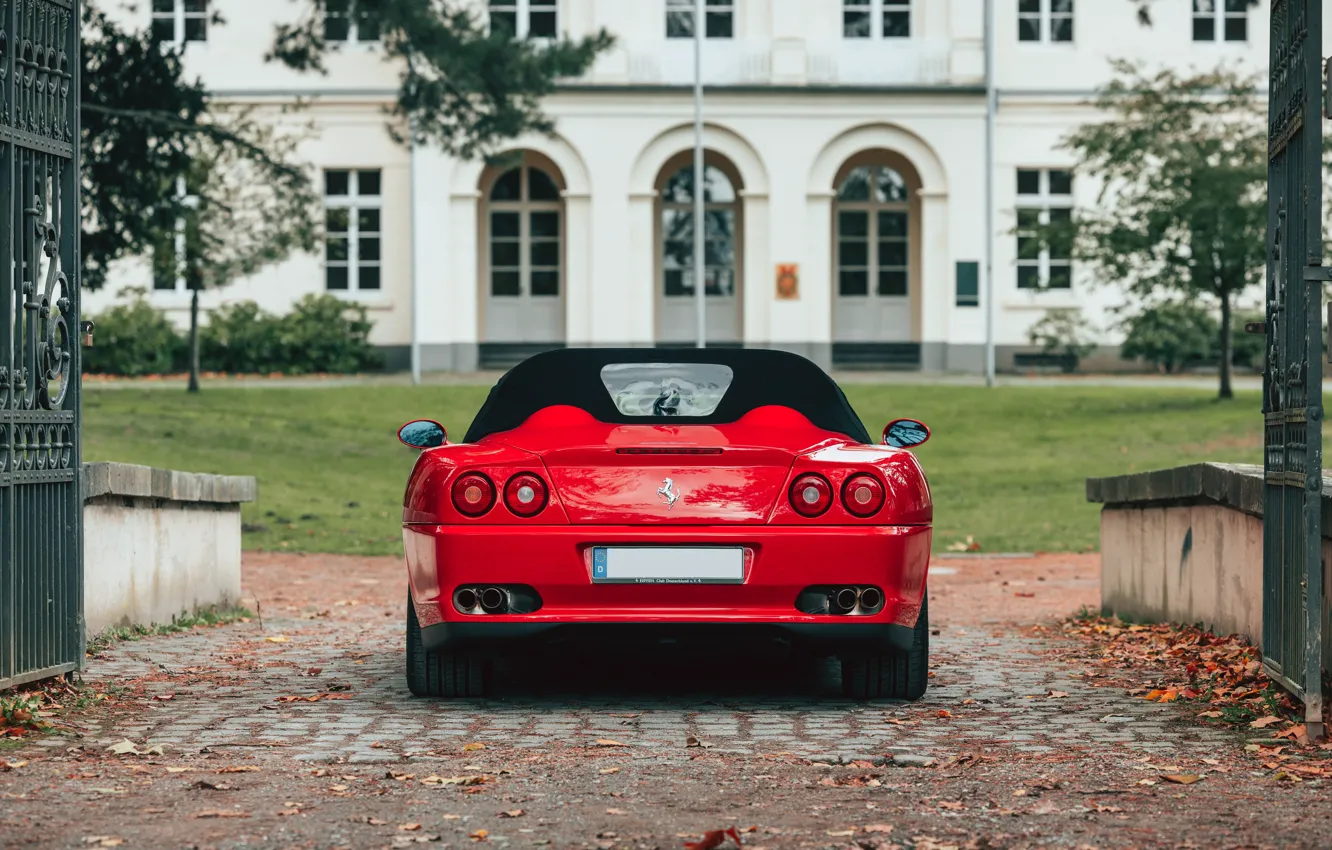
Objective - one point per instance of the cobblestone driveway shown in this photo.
(594, 751)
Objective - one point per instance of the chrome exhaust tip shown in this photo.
(465, 599)
(844, 600)
(871, 598)
(494, 600)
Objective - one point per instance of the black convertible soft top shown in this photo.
(572, 376)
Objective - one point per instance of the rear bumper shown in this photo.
(556, 561)
(831, 636)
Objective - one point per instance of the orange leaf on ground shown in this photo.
(1264, 722)
(1181, 778)
(713, 839)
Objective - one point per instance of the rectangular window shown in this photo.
(343, 22)
(881, 18)
(1045, 20)
(525, 18)
(179, 21)
(719, 18)
(1216, 20)
(968, 284)
(169, 272)
(1044, 197)
(352, 228)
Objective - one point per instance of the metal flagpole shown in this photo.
(991, 106)
(700, 266)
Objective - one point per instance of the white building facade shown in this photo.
(848, 214)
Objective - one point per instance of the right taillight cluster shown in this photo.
(812, 495)
(525, 494)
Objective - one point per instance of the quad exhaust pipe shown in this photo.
(465, 599)
(854, 600)
(494, 600)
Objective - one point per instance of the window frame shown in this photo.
(873, 209)
(1219, 16)
(733, 207)
(524, 207)
(178, 17)
(353, 28)
(354, 202)
(878, 11)
(687, 8)
(522, 11)
(180, 285)
(1045, 17)
(1043, 202)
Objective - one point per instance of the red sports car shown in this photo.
(608, 493)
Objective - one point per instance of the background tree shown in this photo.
(1182, 211)
(1065, 333)
(245, 206)
(1171, 336)
(464, 87)
(212, 193)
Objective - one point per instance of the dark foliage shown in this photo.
(463, 87)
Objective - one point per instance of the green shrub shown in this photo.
(133, 339)
(241, 339)
(322, 333)
(1066, 333)
(326, 334)
(1171, 336)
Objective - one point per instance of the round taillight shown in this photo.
(525, 494)
(862, 495)
(811, 495)
(473, 494)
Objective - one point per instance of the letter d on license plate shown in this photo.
(668, 565)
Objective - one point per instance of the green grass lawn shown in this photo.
(1006, 465)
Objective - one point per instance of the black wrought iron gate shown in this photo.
(41, 540)
(1292, 381)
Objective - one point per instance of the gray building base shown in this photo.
(935, 357)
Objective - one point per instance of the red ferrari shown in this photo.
(603, 494)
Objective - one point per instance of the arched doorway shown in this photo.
(522, 252)
(723, 234)
(876, 264)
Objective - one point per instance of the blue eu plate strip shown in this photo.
(598, 563)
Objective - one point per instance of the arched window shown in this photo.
(524, 209)
(872, 214)
(721, 214)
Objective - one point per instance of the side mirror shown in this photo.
(905, 433)
(422, 434)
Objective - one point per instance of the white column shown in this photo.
(756, 296)
(936, 270)
(639, 275)
(816, 283)
(579, 303)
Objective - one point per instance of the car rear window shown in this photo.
(666, 389)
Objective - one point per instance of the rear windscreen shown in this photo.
(666, 389)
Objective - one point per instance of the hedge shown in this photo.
(321, 334)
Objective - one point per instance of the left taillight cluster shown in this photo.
(812, 495)
(525, 494)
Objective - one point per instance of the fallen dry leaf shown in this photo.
(471, 748)
(479, 835)
(408, 827)
(240, 768)
(1264, 722)
(616, 812)
(691, 741)
(1056, 694)
(714, 838)
(877, 827)
(841, 833)
(610, 742)
(221, 813)
(102, 841)
(1181, 778)
(608, 770)
(15, 765)
(454, 780)
(512, 813)
(277, 638)
(127, 747)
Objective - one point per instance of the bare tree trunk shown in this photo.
(1226, 391)
(194, 340)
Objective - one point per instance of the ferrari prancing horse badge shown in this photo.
(665, 492)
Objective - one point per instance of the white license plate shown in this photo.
(668, 565)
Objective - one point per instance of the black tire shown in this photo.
(443, 673)
(891, 674)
